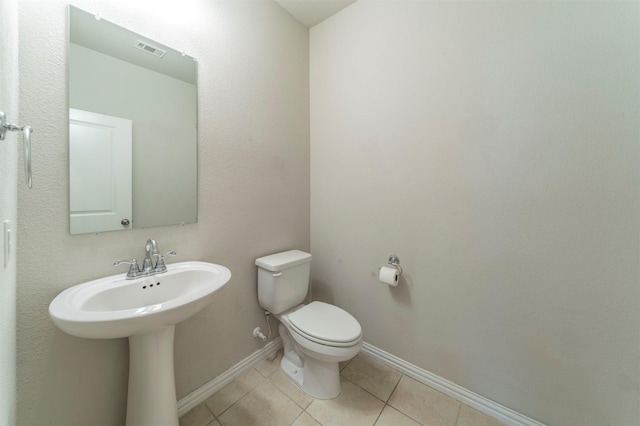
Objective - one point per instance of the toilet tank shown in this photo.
(283, 280)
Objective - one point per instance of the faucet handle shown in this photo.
(134, 271)
(160, 266)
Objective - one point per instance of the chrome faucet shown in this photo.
(147, 263)
(150, 249)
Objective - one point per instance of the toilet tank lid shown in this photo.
(284, 260)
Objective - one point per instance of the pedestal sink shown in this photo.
(145, 310)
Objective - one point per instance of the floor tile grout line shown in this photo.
(234, 403)
(401, 412)
(287, 395)
(379, 414)
(348, 362)
(274, 370)
(375, 362)
(309, 414)
(209, 410)
(250, 391)
(294, 420)
(379, 399)
(384, 402)
(398, 409)
(361, 388)
(407, 415)
(394, 388)
(458, 415)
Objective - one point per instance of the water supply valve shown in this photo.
(257, 332)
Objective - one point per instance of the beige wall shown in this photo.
(493, 146)
(253, 196)
(8, 207)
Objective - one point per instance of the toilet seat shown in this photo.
(325, 324)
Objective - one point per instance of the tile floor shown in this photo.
(372, 394)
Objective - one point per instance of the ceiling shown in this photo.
(312, 12)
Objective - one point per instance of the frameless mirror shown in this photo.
(132, 129)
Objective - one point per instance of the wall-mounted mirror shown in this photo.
(132, 129)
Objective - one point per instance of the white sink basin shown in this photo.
(114, 307)
(145, 310)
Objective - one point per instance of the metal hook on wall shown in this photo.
(26, 138)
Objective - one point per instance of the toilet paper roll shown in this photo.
(389, 276)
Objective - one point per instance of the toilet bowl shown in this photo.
(317, 336)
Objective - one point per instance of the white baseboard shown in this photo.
(480, 403)
(205, 391)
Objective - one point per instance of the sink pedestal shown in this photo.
(152, 389)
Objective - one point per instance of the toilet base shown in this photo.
(316, 378)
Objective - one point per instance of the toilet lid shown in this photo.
(326, 322)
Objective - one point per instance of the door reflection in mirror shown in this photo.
(99, 171)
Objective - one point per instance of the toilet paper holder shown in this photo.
(395, 261)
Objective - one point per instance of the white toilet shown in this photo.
(315, 336)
